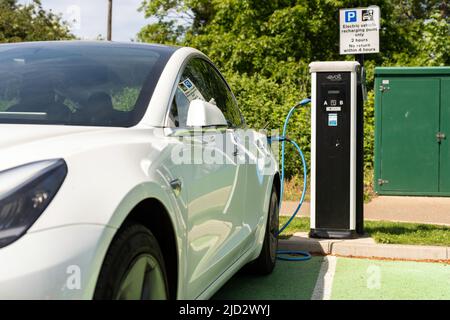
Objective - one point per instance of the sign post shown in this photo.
(359, 34)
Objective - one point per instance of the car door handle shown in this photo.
(236, 142)
(236, 150)
(176, 186)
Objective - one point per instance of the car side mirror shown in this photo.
(204, 114)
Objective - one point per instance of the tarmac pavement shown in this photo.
(431, 210)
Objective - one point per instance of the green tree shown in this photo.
(264, 48)
(30, 23)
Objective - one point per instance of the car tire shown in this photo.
(133, 268)
(265, 263)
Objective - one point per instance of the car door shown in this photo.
(260, 167)
(214, 179)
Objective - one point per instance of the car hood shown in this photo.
(21, 144)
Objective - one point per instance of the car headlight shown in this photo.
(25, 192)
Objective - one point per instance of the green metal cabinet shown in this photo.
(412, 131)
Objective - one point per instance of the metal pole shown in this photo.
(360, 149)
(109, 27)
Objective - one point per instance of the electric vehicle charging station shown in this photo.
(336, 150)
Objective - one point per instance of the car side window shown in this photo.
(200, 80)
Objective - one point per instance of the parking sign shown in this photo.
(359, 30)
(350, 16)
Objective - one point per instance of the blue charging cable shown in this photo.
(283, 254)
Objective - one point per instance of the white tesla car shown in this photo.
(127, 172)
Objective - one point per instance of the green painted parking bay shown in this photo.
(289, 280)
(390, 280)
(352, 279)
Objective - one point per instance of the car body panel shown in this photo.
(59, 263)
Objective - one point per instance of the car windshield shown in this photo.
(77, 83)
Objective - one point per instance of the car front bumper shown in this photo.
(58, 263)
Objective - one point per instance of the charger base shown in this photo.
(333, 234)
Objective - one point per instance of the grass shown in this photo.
(297, 225)
(369, 192)
(408, 233)
(387, 232)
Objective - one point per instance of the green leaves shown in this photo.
(162, 32)
(30, 23)
(265, 104)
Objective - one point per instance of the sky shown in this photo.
(90, 16)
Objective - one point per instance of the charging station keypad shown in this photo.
(334, 100)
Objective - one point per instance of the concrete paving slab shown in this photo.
(390, 251)
(321, 247)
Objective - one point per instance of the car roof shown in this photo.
(67, 44)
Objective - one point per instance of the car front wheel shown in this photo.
(265, 263)
(133, 268)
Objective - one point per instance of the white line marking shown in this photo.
(324, 284)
